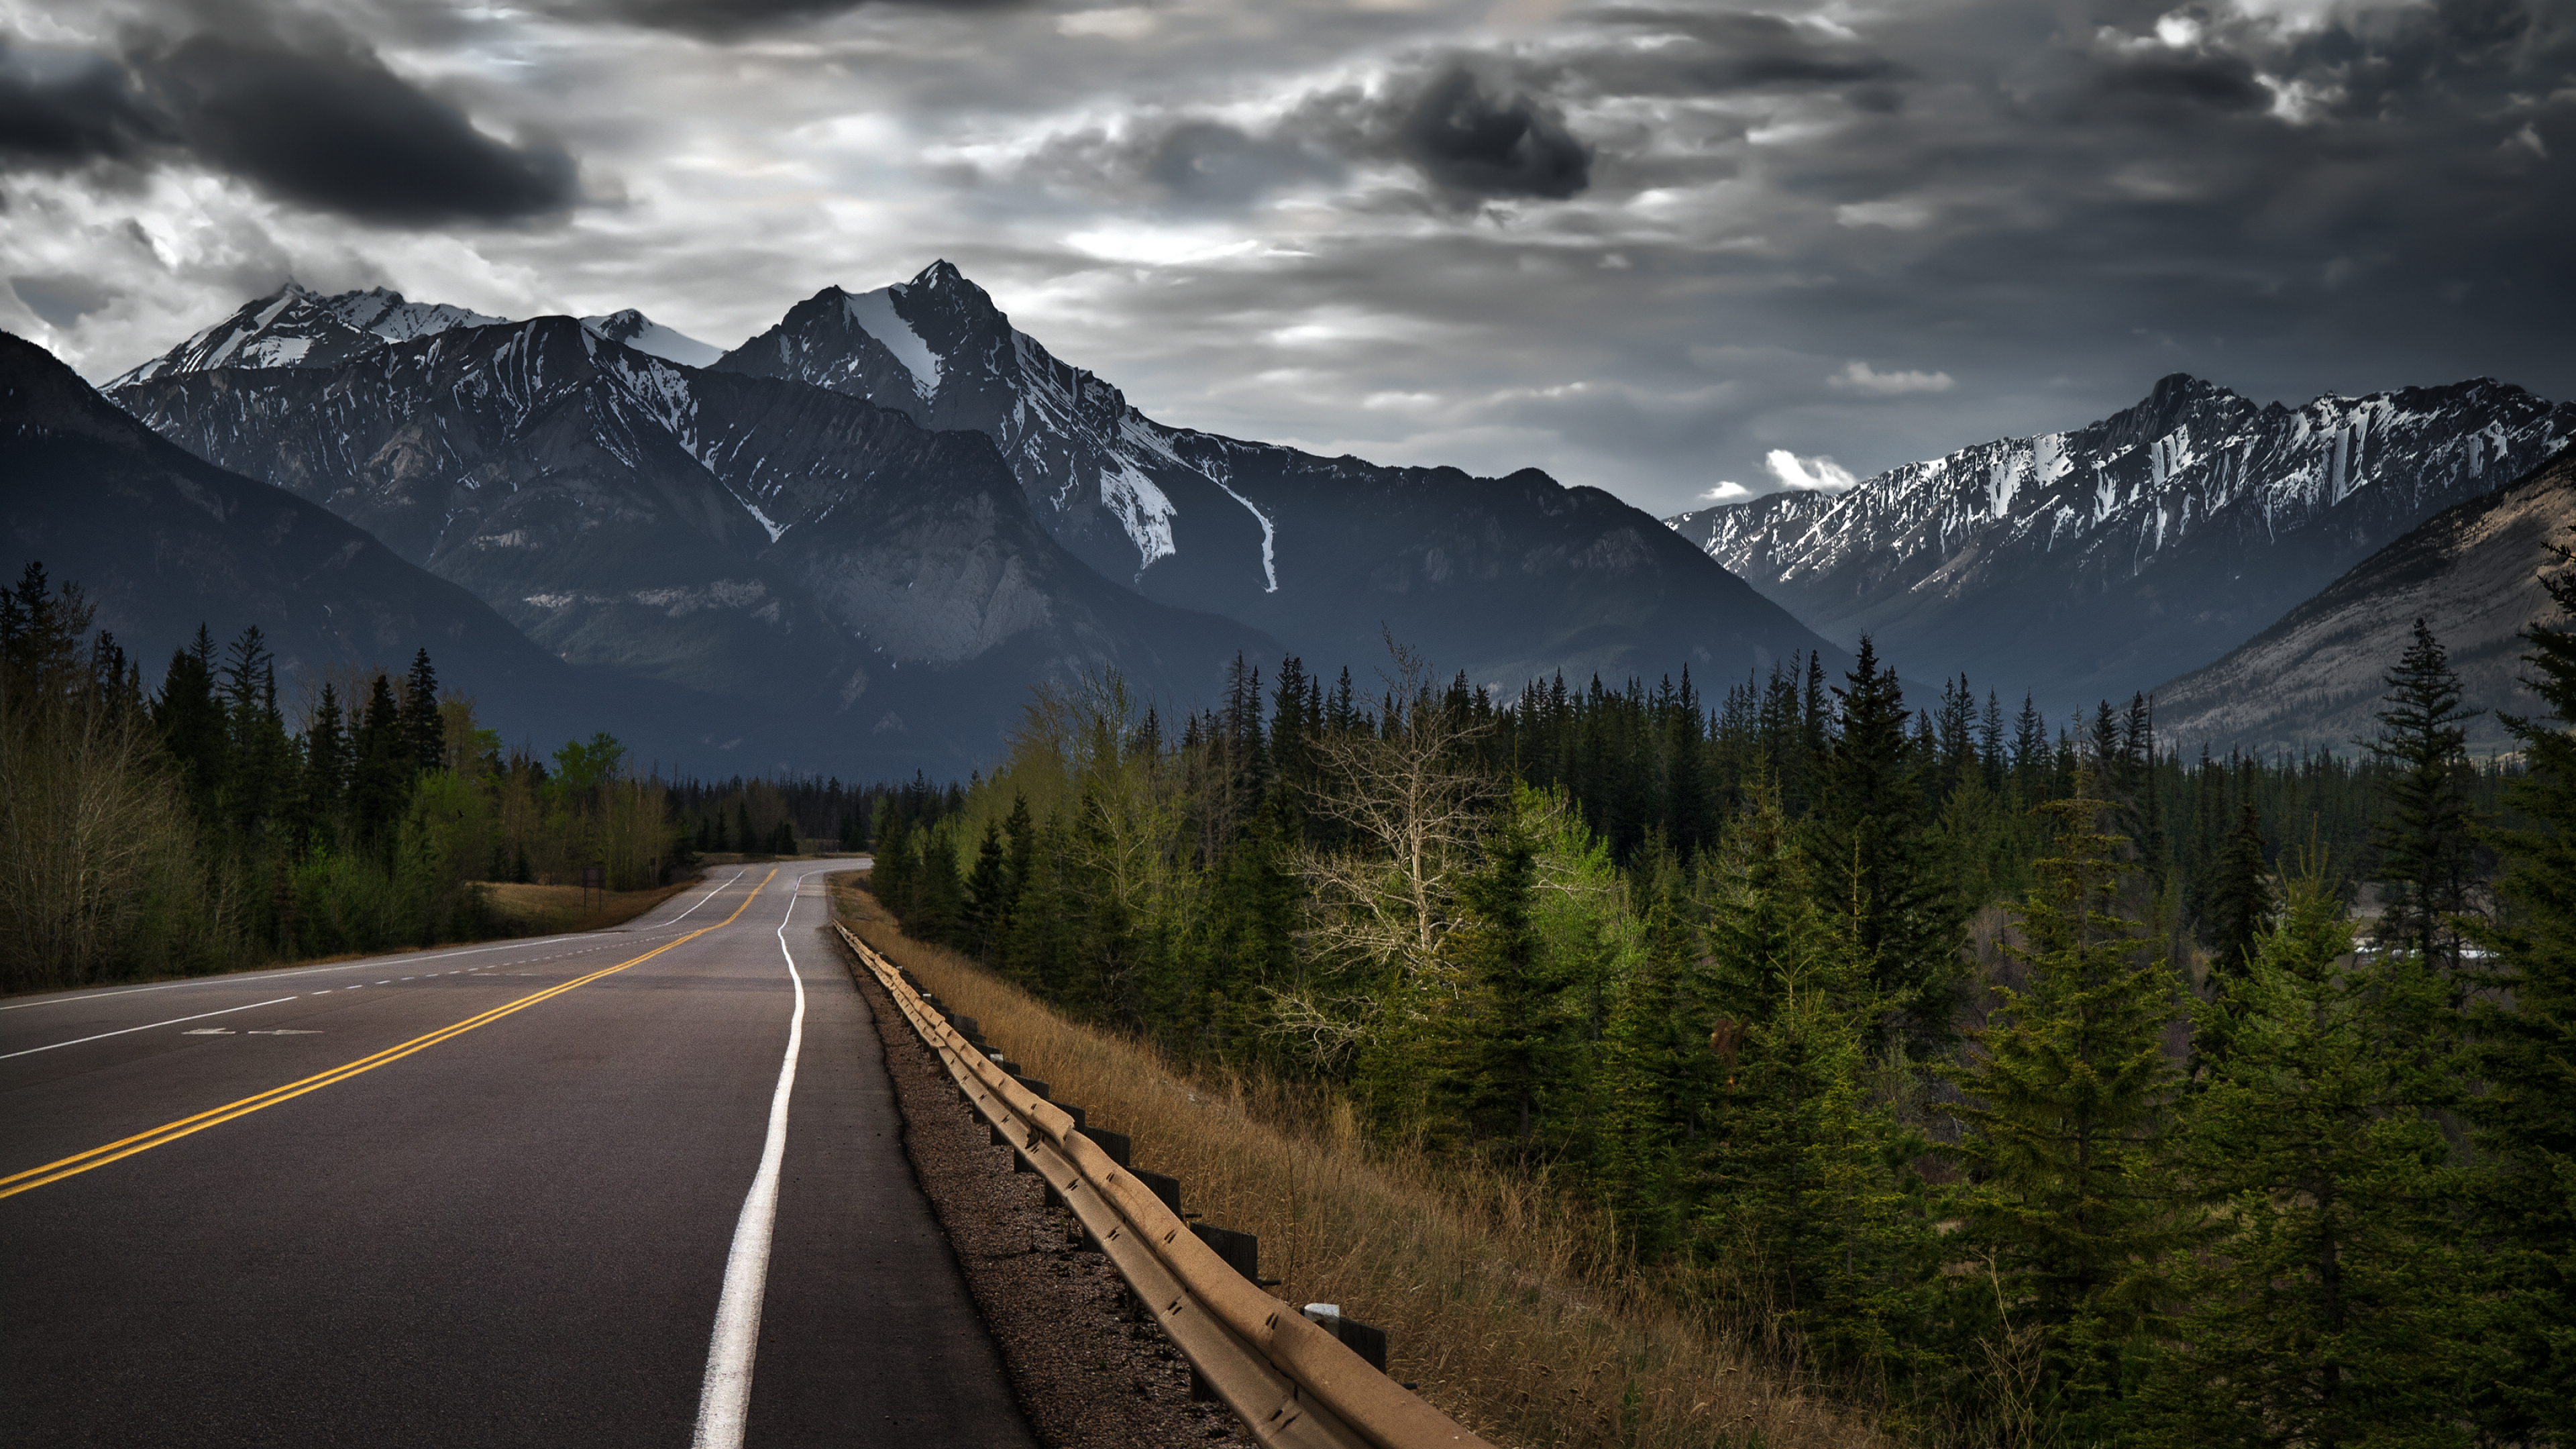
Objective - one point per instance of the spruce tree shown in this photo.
(424, 731)
(1516, 1058)
(2240, 898)
(192, 723)
(2522, 1045)
(987, 888)
(380, 781)
(2426, 837)
(1868, 828)
(2329, 1307)
(2066, 1090)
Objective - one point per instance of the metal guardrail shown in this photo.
(1292, 1382)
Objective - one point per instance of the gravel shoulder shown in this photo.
(1089, 1369)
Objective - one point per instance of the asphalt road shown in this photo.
(493, 1195)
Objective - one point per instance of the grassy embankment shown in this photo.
(1477, 1278)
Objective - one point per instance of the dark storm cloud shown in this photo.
(67, 108)
(1475, 145)
(733, 19)
(1705, 52)
(321, 122)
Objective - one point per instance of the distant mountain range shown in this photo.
(2472, 573)
(2093, 562)
(870, 529)
(163, 541)
(874, 527)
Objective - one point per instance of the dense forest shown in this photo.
(2023, 1081)
(208, 824)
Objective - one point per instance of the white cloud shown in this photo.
(1725, 492)
(1894, 215)
(1818, 474)
(1860, 377)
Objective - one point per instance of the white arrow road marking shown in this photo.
(174, 1021)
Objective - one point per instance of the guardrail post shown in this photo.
(1166, 1188)
(1360, 1338)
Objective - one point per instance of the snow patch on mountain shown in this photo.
(1144, 510)
(642, 333)
(875, 314)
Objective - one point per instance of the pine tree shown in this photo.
(2066, 1090)
(1516, 1060)
(2240, 897)
(192, 723)
(380, 782)
(1868, 827)
(2427, 839)
(424, 732)
(2522, 1045)
(2329, 1306)
(987, 889)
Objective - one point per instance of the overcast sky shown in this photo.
(1671, 250)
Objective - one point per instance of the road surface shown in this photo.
(634, 1187)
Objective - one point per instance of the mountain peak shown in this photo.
(631, 328)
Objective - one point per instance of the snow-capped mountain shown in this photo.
(1508, 578)
(2473, 573)
(898, 482)
(162, 542)
(296, 327)
(865, 589)
(2098, 560)
(293, 327)
(646, 335)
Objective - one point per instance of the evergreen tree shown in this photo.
(2329, 1307)
(192, 722)
(2065, 1092)
(1516, 1058)
(987, 891)
(380, 782)
(2523, 1049)
(1868, 829)
(2427, 838)
(2240, 898)
(326, 767)
(424, 733)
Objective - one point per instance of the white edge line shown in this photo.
(120, 1031)
(725, 1398)
(372, 961)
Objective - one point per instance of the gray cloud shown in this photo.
(1638, 247)
(322, 123)
(1473, 144)
(60, 300)
(734, 19)
(67, 108)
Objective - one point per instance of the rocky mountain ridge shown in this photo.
(1509, 578)
(869, 592)
(2141, 546)
(2317, 678)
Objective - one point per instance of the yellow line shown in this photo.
(81, 1162)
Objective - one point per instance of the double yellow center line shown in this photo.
(79, 1163)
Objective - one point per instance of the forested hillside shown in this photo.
(207, 823)
(2026, 1084)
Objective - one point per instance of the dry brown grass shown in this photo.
(1477, 1278)
(547, 910)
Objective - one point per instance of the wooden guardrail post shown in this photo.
(1293, 1382)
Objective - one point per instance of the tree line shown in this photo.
(2020, 1079)
(209, 824)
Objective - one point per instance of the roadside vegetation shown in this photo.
(1500, 1305)
(208, 825)
(2001, 1084)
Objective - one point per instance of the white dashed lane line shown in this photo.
(174, 1021)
